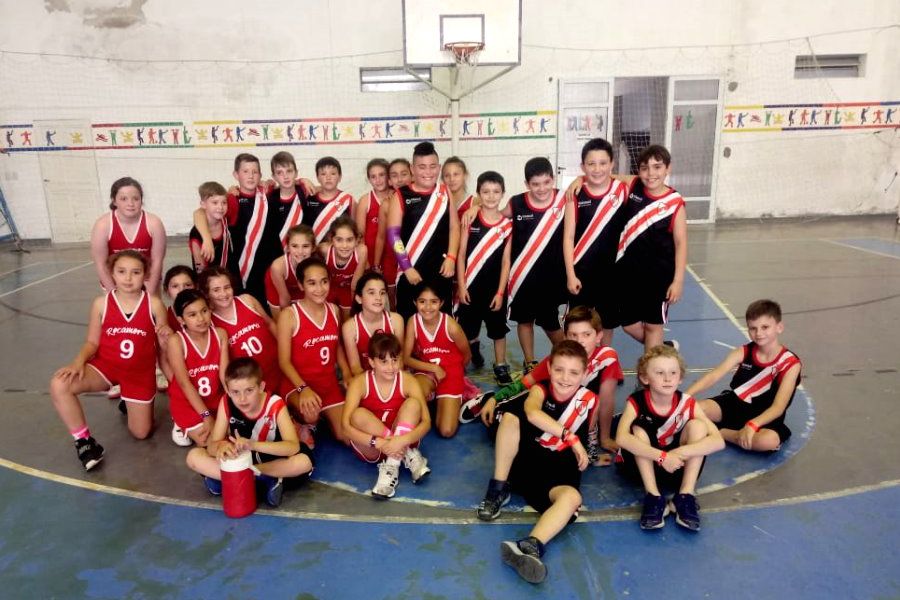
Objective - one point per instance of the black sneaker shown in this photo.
(529, 367)
(502, 375)
(525, 557)
(470, 409)
(687, 511)
(213, 486)
(273, 489)
(477, 358)
(654, 514)
(90, 453)
(123, 408)
(497, 496)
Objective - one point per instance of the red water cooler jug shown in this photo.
(238, 486)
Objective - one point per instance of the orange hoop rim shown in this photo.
(464, 52)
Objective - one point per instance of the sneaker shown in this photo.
(386, 485)
(180, 437)
(416, 463)
(90, 453)
(529, 366)
(477, 358)
(114, 392)
(213, 486)
(470, 410)
(273, 489)
(306, 433)
(687, 511)
(593, 445)
(162, 384)
(502, 375)
(525, 557)
(654, 514)
(123, 408)
(497, 497)
(673, 344)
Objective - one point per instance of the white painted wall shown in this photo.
(237, 60)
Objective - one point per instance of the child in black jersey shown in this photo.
(750, 414)
(277, 453)
(482, 272)
(664, 437)
(541, 457)
(214, 202)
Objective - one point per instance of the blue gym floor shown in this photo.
(814, 520)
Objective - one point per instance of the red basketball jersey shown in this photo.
(141, 242)
(371, 232)
(314, 345)
(385, 408)
(290, 281)
(438, 347)
(127, 343)
(341, 277)
(363, 335)
(203, 371)
(172, 320)
(249, 336)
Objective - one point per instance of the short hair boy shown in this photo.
(323, 209)
(750, 414)
(214, 202)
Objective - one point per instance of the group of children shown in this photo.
(285, 318)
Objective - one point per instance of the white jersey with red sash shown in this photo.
(253, 235)
(526, 255)
(572, 414)
(141, 241)
(487, 247)
(757, 382)
(385, 408)
(594, 216)
(424, 220)
(363, 335)
(293, 217)
(320, 214)
(663, 428)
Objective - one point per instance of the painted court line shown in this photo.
(28, 285)
(861, 249)
(717, 301)
(5, 273)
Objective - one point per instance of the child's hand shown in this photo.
(462, 294)
(672, 462)
(439, 373)
(574, 285)
(469, 216)
(673, 294)
(207, 251)
(745, 437)
(448, 268)
(573, 189)
(72, 372)
(225, 450)
(497, 302)
(412, 276)
(308, 187)
(394, 446)
(241, 444)
(310, 404)
(487, 412)
(581, 456)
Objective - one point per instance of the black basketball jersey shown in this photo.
(757, 383)
(414, 205)
(195, 239)
(598, 224)
(663, 428)
(572, 414)
(262, 428)
(489, 262)
(238, 231)
(646, 244)
(548, 271)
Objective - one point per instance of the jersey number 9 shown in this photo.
(126, 349)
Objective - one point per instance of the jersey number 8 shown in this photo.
(203, 386)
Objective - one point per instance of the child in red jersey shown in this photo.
(665, 436)
(177, 279)
(766, 374)
(128, 227)
(454, 174)
(121, 348)
(370, 315)
(214, 202)
(251, 418)
(309, 349)
(346, 262)
(437, 349)
(282, 286)
(399, 173)
(250, 331)
(368, 209)
(385, 416)
(198, 355)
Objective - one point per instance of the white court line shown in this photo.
(723, 344)
(5, 273)
(876, 252)
(28, 285)
(718, 301)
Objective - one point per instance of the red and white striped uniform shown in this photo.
(663, 428)
(323, 213)
(527, 255)
(465, 205)
(370, 235)
(594, 217)
(290, 281)
(571, 414)
(261, 427)
(757, 382)
(603, 364)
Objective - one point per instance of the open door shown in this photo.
(585, 111)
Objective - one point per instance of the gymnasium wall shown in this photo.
(186, 67)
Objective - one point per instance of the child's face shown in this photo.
(215, 207)
(764, 330)
(179, 282)
(428, 305)
(491, 194)
(653, 174)
(583, 333)
(425, 171)
(663, 375)
(285, 176)
(399, 175)
(374, 296)
(300, 247)
(247, 394)
(453, 177)
(541, 187)
(195, 317)
(597, 167)
(378, 178)
(344, 241)
(128, 274)
(248, 176)
(566, 373)
(220, 292)
(385, 368)
(329, 178)
(315, 284)
(128, 201)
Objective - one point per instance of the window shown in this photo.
(814, 66)
(393, 79)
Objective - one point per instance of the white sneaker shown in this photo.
(416, 463)
(114, 392)
(386, 485)
(180, 437)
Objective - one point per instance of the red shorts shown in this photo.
(342, 296)
(327, 389)
(389, 267)
(138, 385)
(183, 413)
(452, 384)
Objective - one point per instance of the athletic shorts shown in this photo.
(627, 466)
(138, 385)
(736, 413)
(537, 470)
(452, 384)
(289, 483)
(183, 414)
(470, 317)
(541, 309)
(600, 294)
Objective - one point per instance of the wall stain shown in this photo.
(121, 16)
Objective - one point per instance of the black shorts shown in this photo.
(406, 302)
(537, 306)
(598, 293)
(536, 470)
(470, 316)
(736, 413)
(646, 305)
(667, 482)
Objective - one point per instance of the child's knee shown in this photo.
(194, 458)
(570, 498)
(299, 464)
(695, 430)
(447, 429)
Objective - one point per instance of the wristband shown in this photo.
(372, 442)
(752, 426)
(564, 436)
(205, 413)
(300, 388)
(662, 458)
(393, 236)
(449, 256)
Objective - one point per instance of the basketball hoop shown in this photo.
(465, 53)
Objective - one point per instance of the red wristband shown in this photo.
(752, 426)
(662, 458)
(449, 256)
